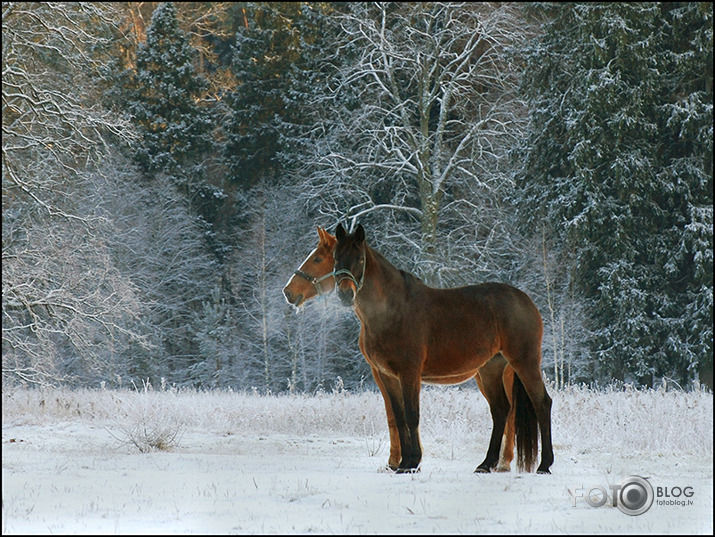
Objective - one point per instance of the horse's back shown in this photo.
(495, 309)
(519, 327)
(506, 299)
(501, 298)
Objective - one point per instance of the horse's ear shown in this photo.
(340, 232)
(360, 233)
(329, 239)
(326, 238)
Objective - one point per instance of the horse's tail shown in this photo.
(526, 427)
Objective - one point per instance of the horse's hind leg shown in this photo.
(529, 372)
(489, 379)
(506, 455)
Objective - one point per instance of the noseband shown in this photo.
(350, 276)
(312, 279)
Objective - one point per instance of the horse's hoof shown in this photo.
(481, 470)
(407, 470)
(546, 471)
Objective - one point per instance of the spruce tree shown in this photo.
(311, 99)
(264, 50)
(686, 121)
(162, 96)
(616, 175)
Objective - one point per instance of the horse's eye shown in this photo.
(318, 260)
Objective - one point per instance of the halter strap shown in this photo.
(312, 279)
(350, 276)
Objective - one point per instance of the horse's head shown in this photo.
(315, 275)
(349, 263)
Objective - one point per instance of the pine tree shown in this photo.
(162, 95)
(686, 120)
(618, 178)
(264, 50)
(321, 54)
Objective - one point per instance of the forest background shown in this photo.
(165, 166)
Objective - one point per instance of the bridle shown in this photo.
(350, 276)
(312, 279)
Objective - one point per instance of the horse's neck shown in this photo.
(397, 277)
(384, 284)
(381, 270)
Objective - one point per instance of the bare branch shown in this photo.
(438, 112)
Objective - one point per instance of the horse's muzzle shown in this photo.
(296, 300)
(346, 296)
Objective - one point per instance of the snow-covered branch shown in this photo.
(438, 110)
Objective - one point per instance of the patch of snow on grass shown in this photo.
(247, 463)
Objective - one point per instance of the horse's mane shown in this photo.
(409, 278)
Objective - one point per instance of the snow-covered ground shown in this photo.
(246, 463)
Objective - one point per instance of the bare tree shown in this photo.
(68, 311)
(265, 254)
(436, 115)
(52, 117)
(62, 296)
(159, 245)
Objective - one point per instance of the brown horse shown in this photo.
(411, 333)
(495, 378)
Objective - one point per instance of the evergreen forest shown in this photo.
(165, 166)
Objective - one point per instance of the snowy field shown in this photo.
(245, 463)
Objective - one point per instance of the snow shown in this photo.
(247, 463)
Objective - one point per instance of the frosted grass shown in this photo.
(637, 420)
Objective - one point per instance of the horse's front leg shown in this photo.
(395, 454)
(409, 458)
(410, 431)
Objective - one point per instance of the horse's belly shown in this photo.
(456, 364)
(452, 357)
(449, 379)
